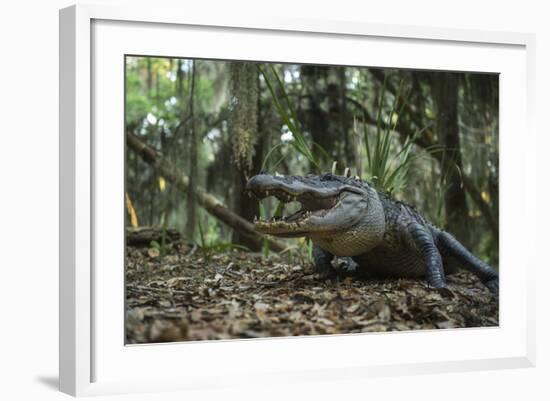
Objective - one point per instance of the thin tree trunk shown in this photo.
(247, 147)
(349, 139)
(193, 160)
(149, 77)
(445, 98)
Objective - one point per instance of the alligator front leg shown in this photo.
(346, 267)
(322, 262)
(424, 243)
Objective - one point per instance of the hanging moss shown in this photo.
(244, 116)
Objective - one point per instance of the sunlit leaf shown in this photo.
(131, 211)
(162, 183)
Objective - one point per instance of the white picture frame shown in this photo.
(93, 357)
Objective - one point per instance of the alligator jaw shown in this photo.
(329, 203)
(295, 224)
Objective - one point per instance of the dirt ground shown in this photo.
(187, 295)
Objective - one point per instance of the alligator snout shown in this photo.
(290, 187)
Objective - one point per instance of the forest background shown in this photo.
(430, 138)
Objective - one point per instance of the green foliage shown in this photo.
(387, 172)
(265, 243)
(302, 251)
(438, 215)
(163, 248)
(387, 168)
(287, 113)
(279, 210)
(309, 244)
(208, 248)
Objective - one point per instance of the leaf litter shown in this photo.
(183, 296)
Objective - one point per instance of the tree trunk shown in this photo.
(247, 149)
(142, 236)
(193, 160)
(445, 98)
(323, 113)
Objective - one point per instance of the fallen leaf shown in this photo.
(153, 252)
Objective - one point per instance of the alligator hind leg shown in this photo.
(424, 242)
(322, 262)
(454, 248)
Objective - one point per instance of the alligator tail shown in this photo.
(468, 261)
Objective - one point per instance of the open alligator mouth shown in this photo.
(311, 204)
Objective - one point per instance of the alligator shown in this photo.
(375, 234)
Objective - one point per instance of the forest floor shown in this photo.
(189, 295)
